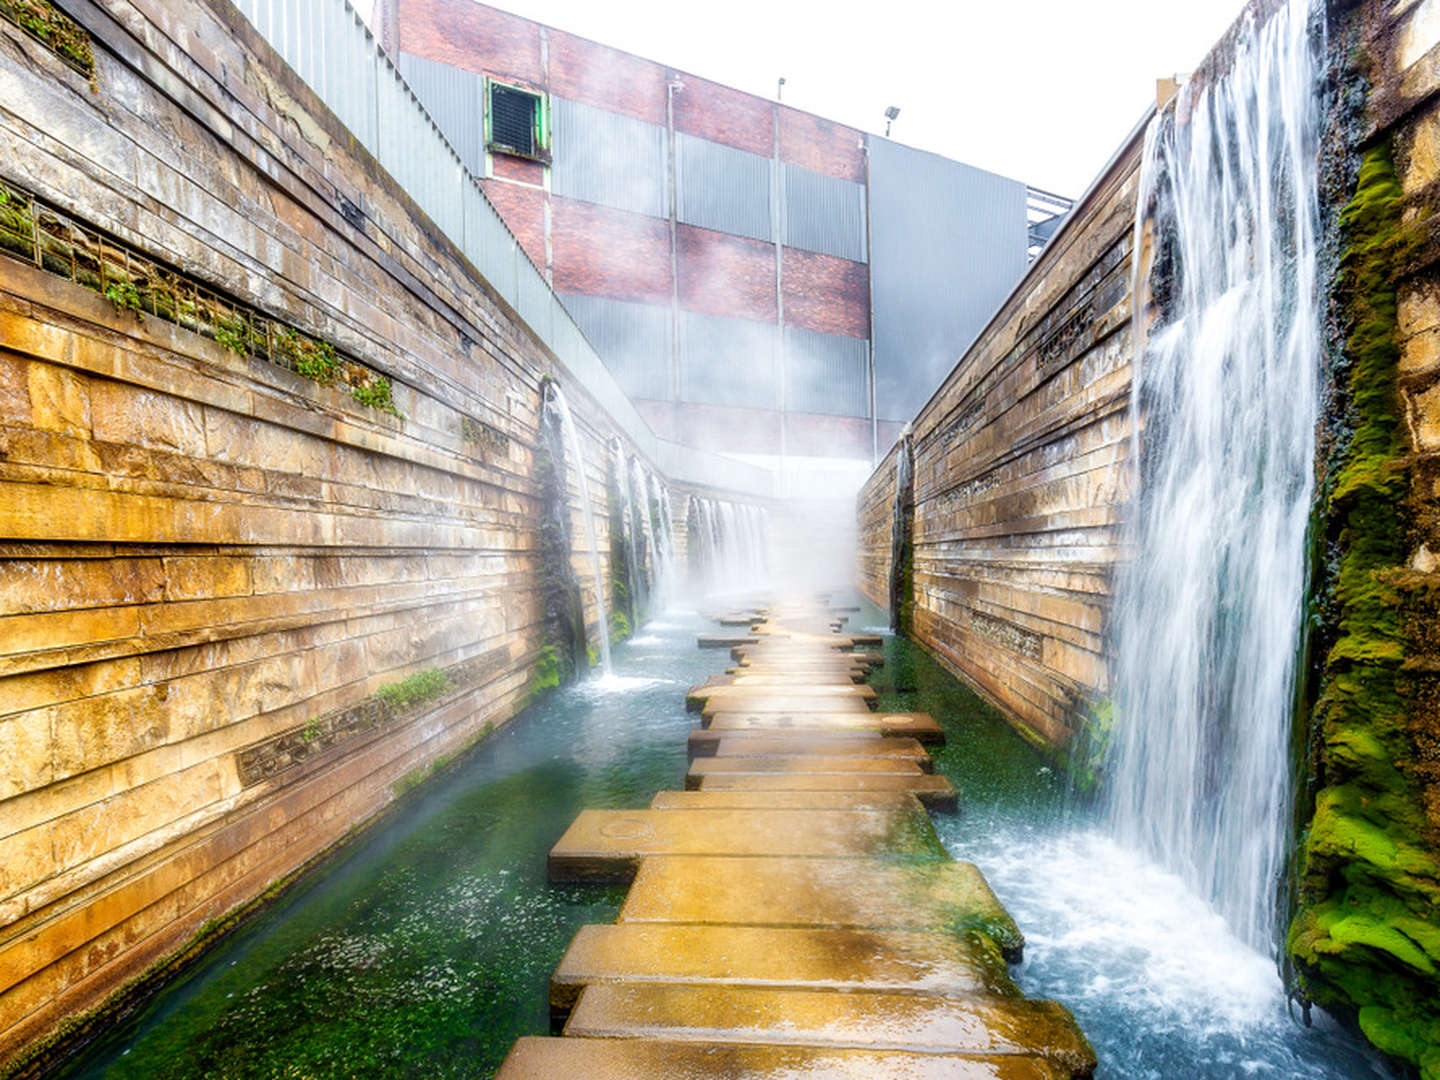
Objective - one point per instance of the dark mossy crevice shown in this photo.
(37, 232)
(563, 607)
(625, 611)
(902, 541)
(1365, 936)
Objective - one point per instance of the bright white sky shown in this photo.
(1039, 90)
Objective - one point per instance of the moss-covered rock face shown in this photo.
(1365, 937)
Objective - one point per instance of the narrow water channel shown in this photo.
(425, 950)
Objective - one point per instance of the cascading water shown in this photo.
(642, 540)
(1208, 616)
(555, 399)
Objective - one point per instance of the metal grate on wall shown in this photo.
(455, 99)
(727, 361)
(603, 157)
(632, 339)
(722, 188)
(826, 373)
(824, 214)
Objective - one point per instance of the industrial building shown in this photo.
(759, 279)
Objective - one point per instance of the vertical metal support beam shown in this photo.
(777, 231)
(870, 289)
(672, 191)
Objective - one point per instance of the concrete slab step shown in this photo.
(778, 700)
(724, 641)
(537, 1058)
(784, 800)
(607, 845)
(806, 764)
(857, 1020)
(898, 961)
(934, 792)
(919, 726)
(705, 743)
(856, 893)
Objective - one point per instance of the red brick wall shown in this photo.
(826, 293)
(821, 145)
(724, 115)
(603, 252)
(471, 36)
(513, 168)
(813, 435)
(523, 209)
(722, 274)
(592, 74)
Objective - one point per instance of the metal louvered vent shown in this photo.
(512, 119)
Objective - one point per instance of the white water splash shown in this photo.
(1208, 615)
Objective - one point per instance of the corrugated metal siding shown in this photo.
(455, 98)
(824, 214)
(331, 48)
(603, 157)
(633, 340)
(826, 373)
(727, 361)
(949, 245)
(722, 188)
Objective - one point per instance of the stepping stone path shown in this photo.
(793, 912)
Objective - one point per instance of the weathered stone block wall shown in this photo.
(1020, 475)
(209, 565)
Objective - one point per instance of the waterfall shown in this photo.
(663, 530)
(555, 398)
(642, 543)
(1208, 615)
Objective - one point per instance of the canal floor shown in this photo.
(426, 948)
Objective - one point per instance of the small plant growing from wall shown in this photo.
(125, 297)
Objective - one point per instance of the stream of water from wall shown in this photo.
(555, 397)
(1208, 615)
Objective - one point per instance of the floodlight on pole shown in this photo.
(891, 112)
(780, 88)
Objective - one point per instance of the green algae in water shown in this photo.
(427, 949)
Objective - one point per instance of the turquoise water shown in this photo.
(426, 949)
(1160, 984)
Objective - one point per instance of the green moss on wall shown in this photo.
(1365, 937)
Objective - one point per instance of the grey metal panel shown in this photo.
(603, 157)
(633, 340)
(948, 244)
(722, 188)
(826, 373)
(727, 361)
(455, 99)
(824, 213)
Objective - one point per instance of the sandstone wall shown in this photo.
(209, 564)
(1020, 475)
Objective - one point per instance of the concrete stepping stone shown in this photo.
(724, 641)
(803, 764)
(538, 1058)
(858, 1020)
(919, 726)
(898, 961)
(776, 700)
(785, 800)
(706, 743)
(859, 893)
(934, 792)
(741, 653)
(792, 688)
(607, 845)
